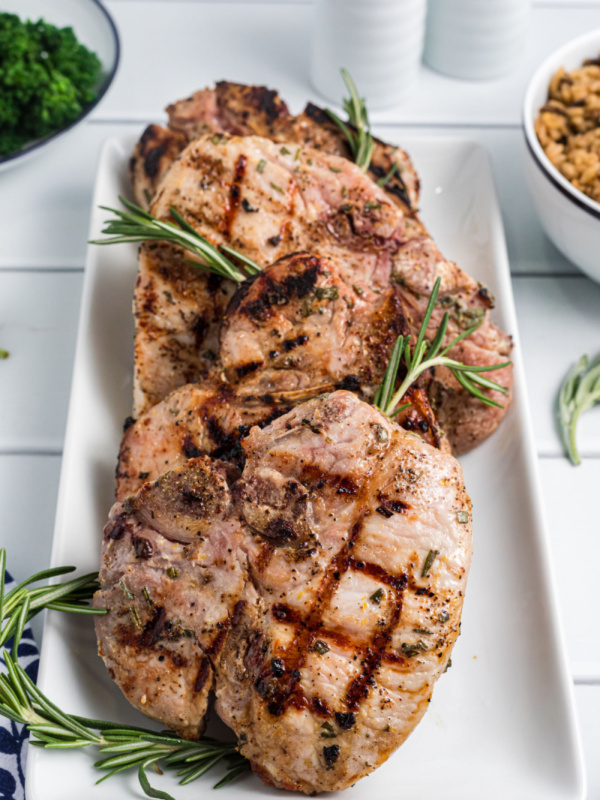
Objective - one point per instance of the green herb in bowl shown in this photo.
(47, 79)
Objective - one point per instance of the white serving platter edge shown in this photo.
(501, 723)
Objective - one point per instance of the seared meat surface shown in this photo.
(257, 111)
(319, 591)
(269, 201)
(212, 419)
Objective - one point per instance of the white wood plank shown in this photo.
(559, 320)
(45, 203)
(588, 707)
(574, 530)
(28, 491)
(38, 321)
(270, 43)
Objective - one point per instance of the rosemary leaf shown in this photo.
(580, 391)
(423, 356)
(137, 225)
(357, 130)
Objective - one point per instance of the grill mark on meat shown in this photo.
(313, 475)
(246, 369)
(153, 157)
(224, 627)
(398, 583)
(320, 707)
(189, 449)
(278, 294)
(317, 114)
(395, 506)
(280, 693)
(153, 628)
(395, 184)
(219, 640)
(361, 685)
(202, 676)
(265, 555)
(291, 344)
(235, 195)
(200, 329)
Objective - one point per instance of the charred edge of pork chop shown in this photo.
(256, 110)
(152, 156)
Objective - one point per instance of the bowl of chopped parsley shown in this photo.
(57, 61)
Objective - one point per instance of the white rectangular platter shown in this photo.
(501, 724)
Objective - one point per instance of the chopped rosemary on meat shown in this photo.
(431, 556)
(357, 129)
(328, 731)
(122, 747)
(579, 392)
(410, 650)
(135, 618)
(126, 591)
(377, 596)
(327, 293)
(425, 355)
(137, 225)
(277, 188)
(260, 167)
(321, 647)
(462, 517)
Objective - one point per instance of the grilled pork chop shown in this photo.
(318, 592)
(212, 419)
(257, 111)
(269, 201)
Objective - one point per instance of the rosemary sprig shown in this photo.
(137, 225)
(579, 392)
(425, 355)
(357, 129)
(21, 604)
(122, 747)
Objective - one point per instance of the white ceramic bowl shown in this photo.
(570, 218)
(94, 27)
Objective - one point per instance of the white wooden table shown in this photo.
(170, 48)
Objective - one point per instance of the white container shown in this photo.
(475, 39)
(569, 217)
(380, 43)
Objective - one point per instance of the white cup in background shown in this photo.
(475, 39)
(379, 42)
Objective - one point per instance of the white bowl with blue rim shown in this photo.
(569, 217)
(94, 27)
